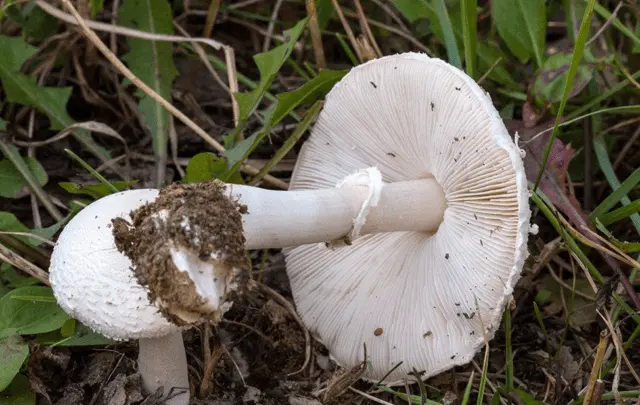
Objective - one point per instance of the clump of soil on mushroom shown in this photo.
(195, 218)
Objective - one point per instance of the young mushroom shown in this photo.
(93, 282)
(418, 194)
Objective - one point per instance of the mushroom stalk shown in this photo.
(278, 219)
(162, 362)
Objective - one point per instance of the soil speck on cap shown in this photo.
(378, 332)
(391, 154)
(374, 85)
(200, 219)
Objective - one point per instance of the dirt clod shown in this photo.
(196, 218)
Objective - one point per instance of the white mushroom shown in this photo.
(93, 282)
(422, 299)
(411, 166)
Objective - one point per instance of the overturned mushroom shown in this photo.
(413, 183)
(93, 282)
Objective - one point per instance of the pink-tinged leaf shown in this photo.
(554, 179)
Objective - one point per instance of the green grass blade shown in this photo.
(621, 213)
(600, 150)
(470, 35)
(290, 142)
(93, 172)
(603, 96)
(618, 194)
(578, 52)
(467, 390)
(347, 49)
(447, 31)
(508, 350)
(606, 14)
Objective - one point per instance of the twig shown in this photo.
(129, 32)
(212, 13)
(19, 262)
(271, 26)
(595, 369)
(316, 35)
(232, 76)
(151, 93)
(347, 29)
(606, 24)
(364, 25)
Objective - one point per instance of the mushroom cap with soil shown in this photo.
(94, 283)
(424, 299)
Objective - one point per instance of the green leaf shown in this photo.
(312, 90)
(12, 184)
(152, 62)
(3, 125)
(18, 392)
(35, 22)
(13, 353)
(522, 26)
(269, 63)
(28, 317)
(96, 191)
(95, 6)
(22, 89)
(447, 31)
(9, 223)
(551, 78)
(414, 10)
(324, 11)
(629, 247)
(206, 166)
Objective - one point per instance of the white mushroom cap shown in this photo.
(411, 297)
(93, 282)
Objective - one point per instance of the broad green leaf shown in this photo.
(268, 63)
(18, 392)
(9, 223)
(96, 190)
(206, 166)
(152, 62)
(22, 89)
(14, 279)
(551, 78)
(3, 125)
(312, 90)
(12, 184)
(13, 353)
(29, 317)
(34, 21)
(522, 26)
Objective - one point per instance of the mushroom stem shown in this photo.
(162, 362)
(278, 219)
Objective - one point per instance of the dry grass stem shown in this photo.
(316, 35)
(151, 93)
